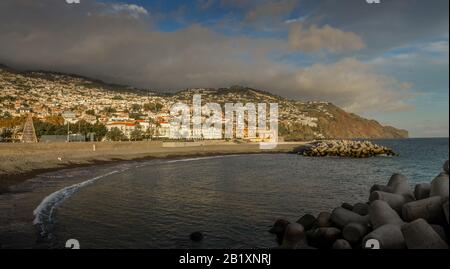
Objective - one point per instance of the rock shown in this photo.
(294, 237)
(422, 191)
(387, 236)
(341, 217)
(395, 201)
(445, 167)
(308, 221)
(323, 238)
(279, 229)
(420, 235)
(354, 232)
(361, 209)
(347, 206)
(341, 244)
(381, 214)
(196, 236)
(429, 209)
(440, 186)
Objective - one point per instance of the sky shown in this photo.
(386, 61)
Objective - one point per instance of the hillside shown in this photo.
(47, 93)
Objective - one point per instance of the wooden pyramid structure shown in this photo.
(29, 133)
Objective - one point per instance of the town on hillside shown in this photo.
(73, 108)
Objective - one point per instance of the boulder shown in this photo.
(445, 167)
(196, 236)
(420, 235)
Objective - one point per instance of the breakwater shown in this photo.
(395, 216)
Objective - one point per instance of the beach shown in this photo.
(19, 162)
(23, 170)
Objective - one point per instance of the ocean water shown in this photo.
(233, 199)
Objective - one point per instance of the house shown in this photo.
(69, 117)
(125, 127)
(89, 118)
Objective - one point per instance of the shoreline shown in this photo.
(107, 153)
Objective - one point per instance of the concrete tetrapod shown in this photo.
(381, 214)
(429, 209)
(422, 191)
(388, 236)
(420, 235)
(341, 217)
(439, 186)
(395, 201)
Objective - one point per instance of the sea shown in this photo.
(232, 200)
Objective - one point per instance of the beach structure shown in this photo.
(29, 133)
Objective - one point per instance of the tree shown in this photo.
(90, 112)
(135, 107)
(115, 134)
(109, 110)
(153, 107)
(6, 115)
(55, 120)
(100, 131)
(6, 134)
(137, 134)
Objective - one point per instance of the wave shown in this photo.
(202, 158)
(43, 214)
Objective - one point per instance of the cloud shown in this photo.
(355, 86)
(122, 49)
(131, 9)
(386, 25)
(314, 39)
(271, 10)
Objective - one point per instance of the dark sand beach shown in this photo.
(19, 162)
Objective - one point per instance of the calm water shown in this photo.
(232, 199)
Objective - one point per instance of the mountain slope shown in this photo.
(297, 120)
